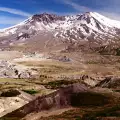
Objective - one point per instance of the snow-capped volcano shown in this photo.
(88, 26)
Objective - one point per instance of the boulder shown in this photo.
(64, 59)
(24, 75)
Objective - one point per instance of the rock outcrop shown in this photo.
(110, 82)
(9, 70)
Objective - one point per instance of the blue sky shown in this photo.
(15, 11)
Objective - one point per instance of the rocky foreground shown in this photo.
(81, 102)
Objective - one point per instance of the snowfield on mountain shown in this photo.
(84, 27)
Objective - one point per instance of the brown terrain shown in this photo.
(51, 78)
(73, 85)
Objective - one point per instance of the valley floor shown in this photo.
(53, 71)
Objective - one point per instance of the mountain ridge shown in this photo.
(90, 26)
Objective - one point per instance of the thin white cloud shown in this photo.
(112, 15)
(10, 20)
(76, 6)
(15, 11)
(111, 10)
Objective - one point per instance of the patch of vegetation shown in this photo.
(78, 118)
(118, 51)
(58, 84)
(10, 93)
(108, 112)
(93, 62)
(12, 118)
(88, 99)
(32, 92)
(117, 90)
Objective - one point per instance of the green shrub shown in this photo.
(78, 118)
(8, 118)
(32, 92)
(118, 51)
(58, 84)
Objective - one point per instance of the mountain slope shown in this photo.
(83, 27)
